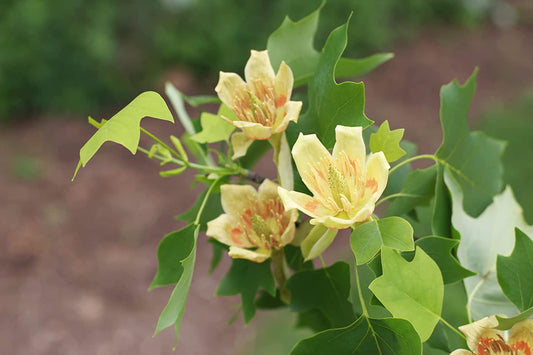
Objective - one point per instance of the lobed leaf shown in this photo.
(388, 142)
(507, 323)
(214, 127)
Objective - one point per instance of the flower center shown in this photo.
(256, 102)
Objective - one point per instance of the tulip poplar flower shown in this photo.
(261, 104)
(255, 224)
(345, 184)
(483, 339)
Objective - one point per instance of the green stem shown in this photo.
(391, 196)
(281, 273)
(452, 328)
(202, 206)
(172, 151)
(410, 160)
(360, 293)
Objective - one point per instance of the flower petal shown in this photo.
(228, 85)
(312, 161)
(257, 256)
(293, 110)
(350, 141)
(377, 174)
(288, 233)
(283, 84)
(317, 241)
(224, 229)
(479, 330)
(268, 190)
(334, 222)
(240, 144)
(258, 68)
(237, 199)
(307, 204)
(462, 352)
(255, 131)
(521, 336)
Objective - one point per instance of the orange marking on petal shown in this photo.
(311, 205)
(372, 184)
(281, 100)
(522, 346)
(236, 235)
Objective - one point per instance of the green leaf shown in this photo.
(388, 142)
(331, 104)
(441, 218)
(418, 189)
(364, 336)
(482, 239)
(245, 278)
(472, 158)
(200, 100)
(124, 127)
(293, 41)
(214, 127)
(411, 290)
(172, 249)
(212, 209)
(218, 251)
(515, 272)
(326, 290)
(507, 323)
(295, 259)
(440, 250)
(173, 311)
(367, 239)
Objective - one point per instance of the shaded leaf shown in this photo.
(124, 127)
(245, 278)
(295, 259)
(472, 158)
(515, 272)
(368, 238)
(218, 251)
(441, 218)
(173, 311)
(364, 336)
(440, 250)
(418, 189)
(172, 249)
(326, 290)
(411, 290)
(482, 239)
(388, 142)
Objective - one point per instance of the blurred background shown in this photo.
(77, 257)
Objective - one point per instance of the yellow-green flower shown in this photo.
(255, 222)
(345, 184)
(483, 339)
(261, 104)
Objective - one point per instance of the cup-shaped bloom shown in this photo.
(482, 338)
(254, 223)
(345, 184)
(261, 103)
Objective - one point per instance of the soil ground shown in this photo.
(77, 257)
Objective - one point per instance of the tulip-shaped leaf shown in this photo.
(367, 239)
(472, 157)
(293, 41)
(482, 240)
(214, 127)
(440, 250)
(124, 127)
(364, 336)
(173, 311)
(245, 278)
(332, 104)
(388, 142)
(174, 248)
(515, 272)
(326, 290)
(411, 290)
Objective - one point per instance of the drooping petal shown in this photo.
(480, 331)
(237, 199)
(252, 130)
(288, 233)
(283, 84)
(363, 212)
(258, 68)
(225, 229)
(334, 222)
(229, 84)
(312, 161)
(317, 241)
(240, 144)
(258, 255)
(307, 204)
(349, 140)
(377, 174)
(521, 336)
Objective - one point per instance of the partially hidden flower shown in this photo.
(255, 223)
(262, 102)
(345, 184)
(483, 339)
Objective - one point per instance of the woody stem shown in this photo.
(280, 274)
